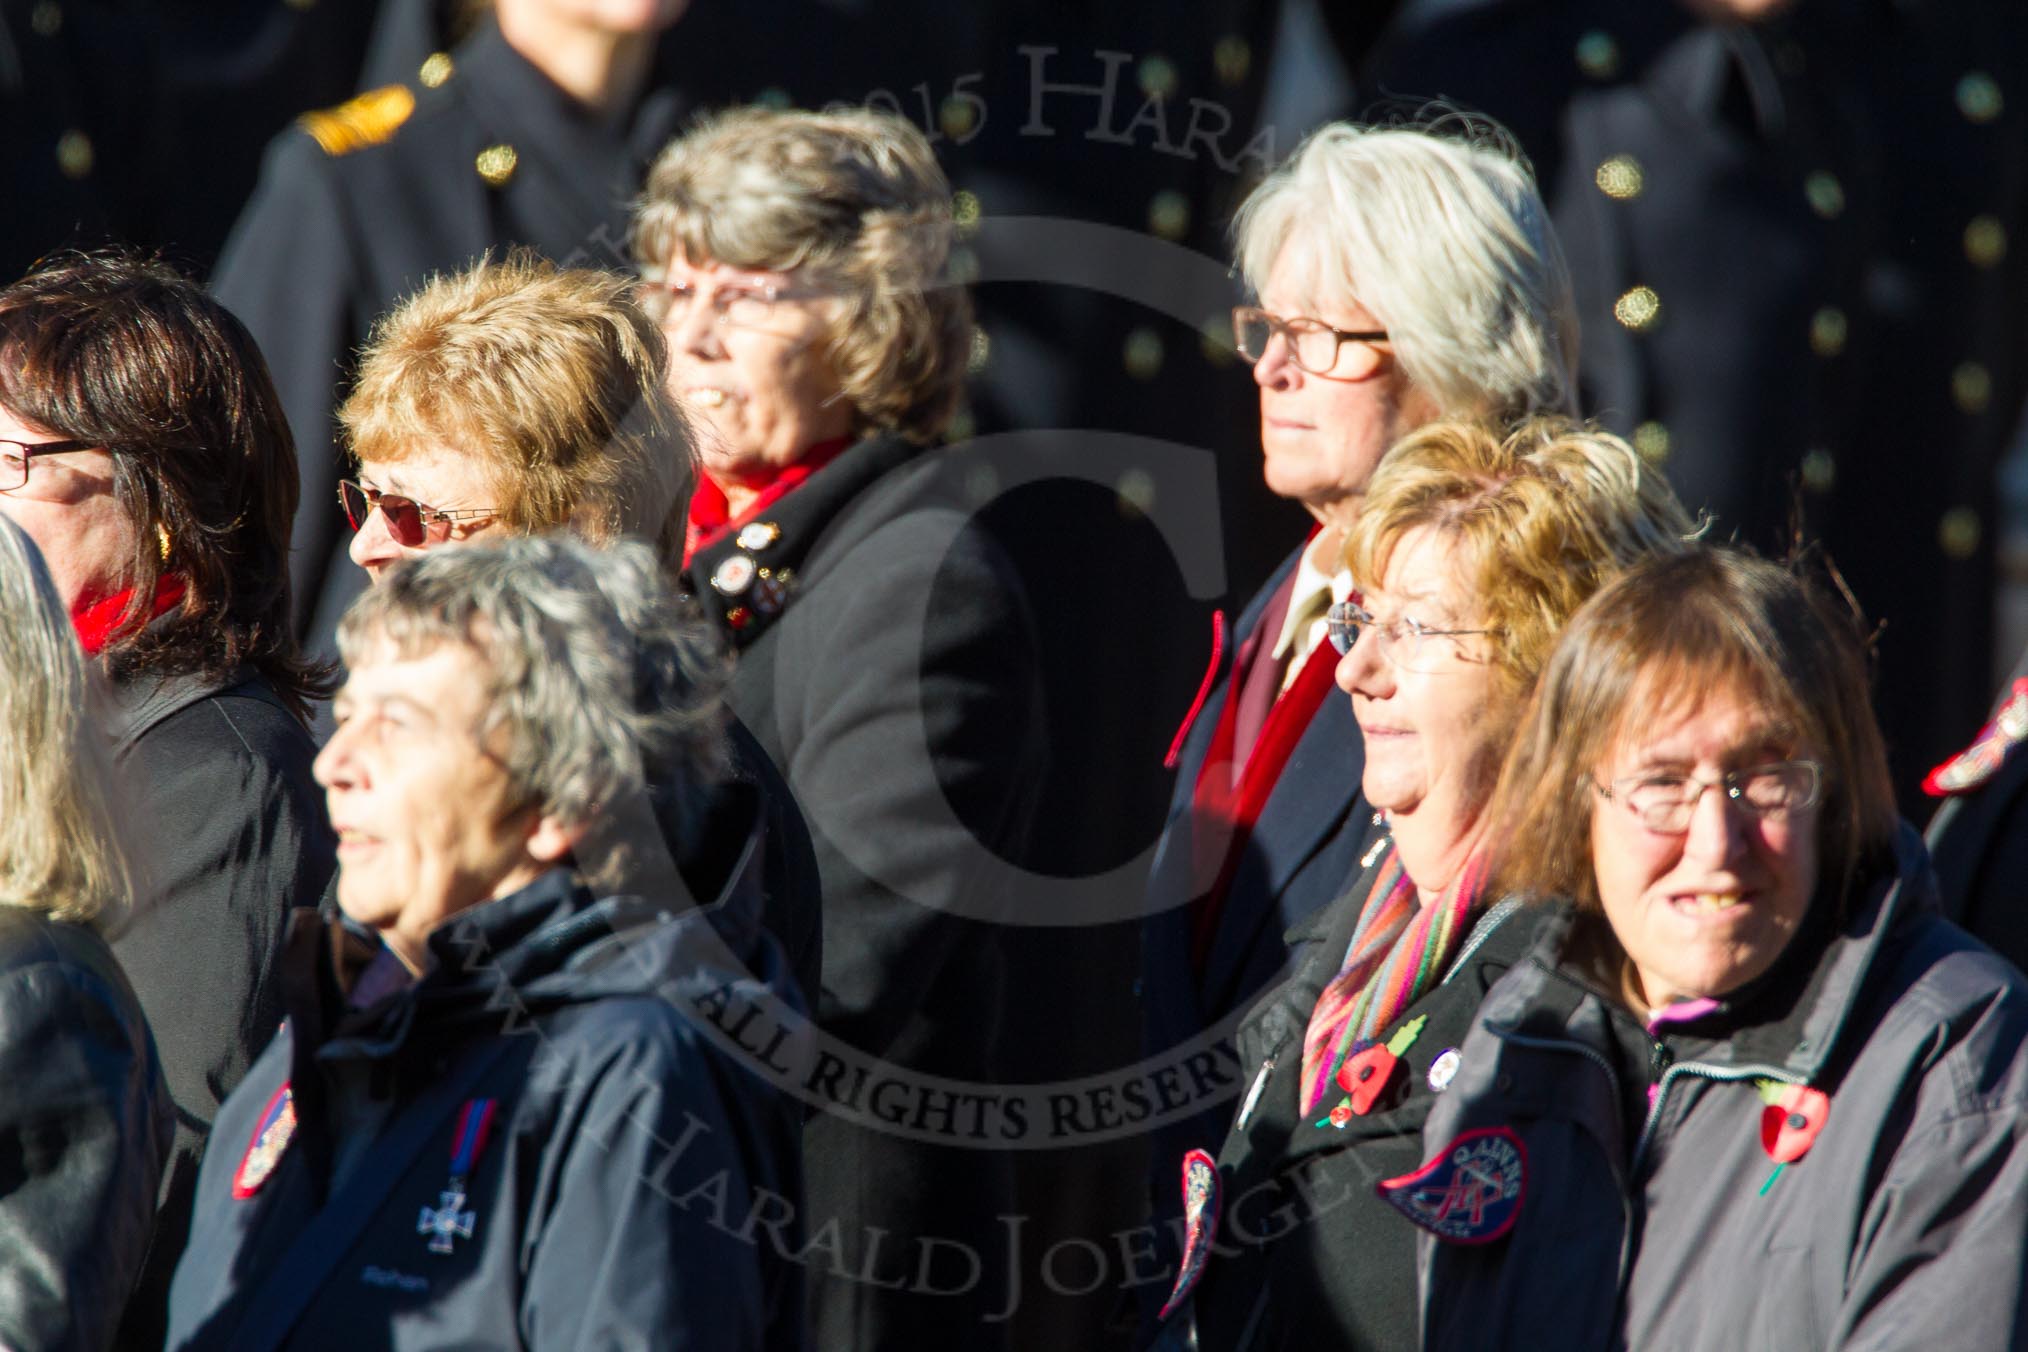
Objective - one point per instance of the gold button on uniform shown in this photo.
(1979, 97)
(496, 164)
(1820, 471)
(1639, 309)
(1972, 387)
(1958, 532)
(1232, 58)
(1142, 354)
(957, 117)
(1986, 242)
(1825, 193)
(982, 352)
(1651, 440)
(435, 70)
(1157, 77)
(965, 211)
(74, 154)
(1827, 331)
(1598, 55)
(1620, 178)
(1169, 215)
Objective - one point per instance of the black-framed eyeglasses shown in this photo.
(734, 306)
(1403, 639)
(15, 455)
(1665, 803)
(412, 524)
(1312, 344)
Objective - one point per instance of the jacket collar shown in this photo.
(726, 575)
(1779, 1024)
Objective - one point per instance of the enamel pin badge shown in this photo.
(1470, 1193)
(1200, 1224)
(273, 1131)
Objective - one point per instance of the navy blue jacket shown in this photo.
(638, 1186)
(1303, 851)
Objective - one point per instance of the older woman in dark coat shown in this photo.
(157, 475)
(885, 660)
(85, 1120)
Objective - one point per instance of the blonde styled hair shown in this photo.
(854, 202)
(1440, 233)
(59, 850)
(1538, 519)
(552, 379)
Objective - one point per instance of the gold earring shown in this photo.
(162, 540)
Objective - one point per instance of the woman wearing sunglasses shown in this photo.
(144, 450)
(1469, 552)
(516, 398)
(1750, 1090)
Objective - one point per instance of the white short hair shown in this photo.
(1440, 233)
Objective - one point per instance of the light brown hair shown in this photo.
(1539, 518)
(552, 379)
(853, 201)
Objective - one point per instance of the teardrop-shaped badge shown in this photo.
(1789, 1125)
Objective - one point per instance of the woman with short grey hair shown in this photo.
(520, 1030)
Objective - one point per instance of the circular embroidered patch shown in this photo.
(1470, 1193)
(1444, 1069)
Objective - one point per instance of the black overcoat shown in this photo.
(886, 662)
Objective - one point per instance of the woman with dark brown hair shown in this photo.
(143, 449)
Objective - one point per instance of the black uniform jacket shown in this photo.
(632, 1191)
(229, 832)
(1304, 845)
(885, 660)
(1306, 1254)
(84, 1129)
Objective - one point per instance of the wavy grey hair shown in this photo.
(59, 851)
(852, 200)
(1439, 231)
(601, 681)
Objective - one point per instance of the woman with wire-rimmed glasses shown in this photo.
(1747, 1088)
(1398, 275)
(1468, 554)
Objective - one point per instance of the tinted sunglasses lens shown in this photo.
(404, 520)
(352, 498)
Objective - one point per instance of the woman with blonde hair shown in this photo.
(86, 1119)
(1470, 552)
(516, 397)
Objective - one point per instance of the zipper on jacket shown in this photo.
(1702, 1072)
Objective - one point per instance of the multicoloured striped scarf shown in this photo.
(1398, 951)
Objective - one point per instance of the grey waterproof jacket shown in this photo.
(1669, 1227)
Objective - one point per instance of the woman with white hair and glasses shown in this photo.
(498, 1126)
(86, 1119)
(1402, 274)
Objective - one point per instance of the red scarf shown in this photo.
(95, 618)
(710, 513)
